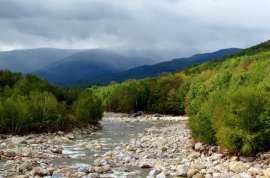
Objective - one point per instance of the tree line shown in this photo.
(30, 104)
(227, 101)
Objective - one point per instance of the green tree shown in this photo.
(88, 108)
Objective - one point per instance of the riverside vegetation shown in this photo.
(227, 100)
(30, 104)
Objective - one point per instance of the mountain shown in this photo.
(156, 69)
(89, 64)
(30, 60)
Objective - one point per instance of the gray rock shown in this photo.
(17, 140)
(57, 150)
(42, 172)
(10, 146)
(58, 175)
(127, 159)
(93, 175)
(27, 165)
(161, 175)
(60, 133)
(31, 141)
(100, 162)
(106, 168)
(83, 169)
(10, 153)
(26, 151)
(153, 173)
(139, 113)
(182, 170)
(4, 145)
(198, 146)
(70, 136)
(91, 169)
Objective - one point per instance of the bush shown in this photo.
(247, 117)
(236, 120)
(88, 108)
(45, 112)
(14, 114)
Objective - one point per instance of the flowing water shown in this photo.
(82, 152)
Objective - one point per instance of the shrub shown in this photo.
(88, 108)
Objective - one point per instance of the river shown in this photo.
(83, 152)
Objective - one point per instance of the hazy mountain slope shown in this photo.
(89, 64)
(154, 70)
(30, 60)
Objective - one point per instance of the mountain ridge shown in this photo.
(173, 65)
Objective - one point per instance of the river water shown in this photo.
(83, 152)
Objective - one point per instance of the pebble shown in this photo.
(170, 151)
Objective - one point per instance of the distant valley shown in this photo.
(65, 67)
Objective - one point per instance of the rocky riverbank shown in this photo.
(31, 155)
(170, 151)
(167, 151)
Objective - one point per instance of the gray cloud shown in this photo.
(168, 28)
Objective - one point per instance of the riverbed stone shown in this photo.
(127, 159)
(27, 165)
(25, 151)
(41, 172)
(145, 165)
(70, 136)
(99, 169)
(91, 169)
(166, 147)
(194, 155)
(83, 169)
(153, 173)
(107, 168)
(57, 150)
(198, 166)
(266, 172)
(10, 153)
(161, 175)
(191, 172)
(93, 175)
(10, 146)
(253, 171)
(17, 140)
(198, 175)
(31, 141)
(237, 167)
(58, 175)
(198, 146)
(182, 170)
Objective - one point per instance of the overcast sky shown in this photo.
(175, 27)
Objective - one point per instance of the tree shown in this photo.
(88, 108)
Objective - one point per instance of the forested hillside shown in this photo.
(155, 70)
(30, 104)
(228, 101)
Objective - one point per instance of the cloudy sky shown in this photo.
(170, 27)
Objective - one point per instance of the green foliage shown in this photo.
(88, 108)
(8, 78)
(152, 95)
(227, 101)
(229, 105)
(31, 104)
